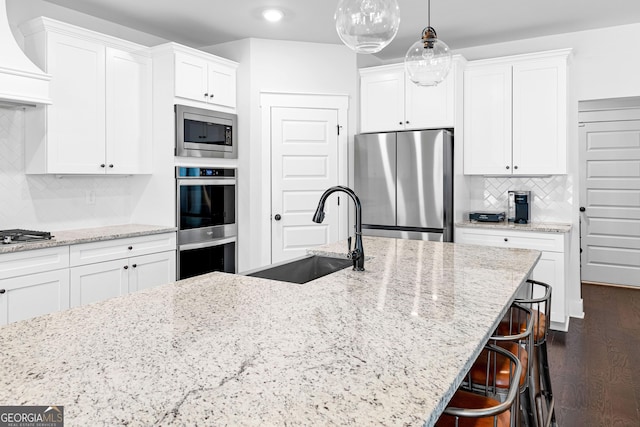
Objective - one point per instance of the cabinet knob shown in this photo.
(111, 166)
(582, 209)
(126, 267)
(407, 122)
(130, 247)
(506, 240)
(507, 167)
(206, 94)
(211, 96)
(515, 167)
(2, 291)
(134, 265)
(399, 123)
(102, 165)
(277, 217)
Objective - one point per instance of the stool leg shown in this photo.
(546, 379)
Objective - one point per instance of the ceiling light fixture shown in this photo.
(273, 15)
(367, 26)
(428, 60)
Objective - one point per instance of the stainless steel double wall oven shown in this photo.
(206, 214)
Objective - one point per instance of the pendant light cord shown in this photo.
(429, 13)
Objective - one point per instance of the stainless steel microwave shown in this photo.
(205, 133)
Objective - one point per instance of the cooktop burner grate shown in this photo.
(20, 235)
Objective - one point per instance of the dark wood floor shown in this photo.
(595, 367)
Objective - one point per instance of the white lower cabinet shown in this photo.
(97, 282)
(41, 281)
(33, 283)
(551, 267)
(107, 269)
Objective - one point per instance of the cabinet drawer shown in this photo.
(36, 261)
(89, 253)
(551, 242)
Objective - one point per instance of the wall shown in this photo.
(277, 66)
(605, 64)
(47, 202)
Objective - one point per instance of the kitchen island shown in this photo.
(386, 346)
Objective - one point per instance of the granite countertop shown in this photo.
(387, 346)
(545, 227)
(85, 235)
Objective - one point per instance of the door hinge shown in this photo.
(339, 127)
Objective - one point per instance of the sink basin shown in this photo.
(302, 270)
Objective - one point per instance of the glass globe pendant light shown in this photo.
(367, 26)
(428, 60)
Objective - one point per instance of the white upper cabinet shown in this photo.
(209, 80)
(515, 115)
(389, 101)
(100, 119)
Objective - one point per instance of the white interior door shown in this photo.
(610, 196)
(304, 163)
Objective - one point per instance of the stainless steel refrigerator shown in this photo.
(405, 183)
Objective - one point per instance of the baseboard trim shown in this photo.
(612, 285)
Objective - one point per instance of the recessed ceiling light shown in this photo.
(273, 15)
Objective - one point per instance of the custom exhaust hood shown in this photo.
(22, 83)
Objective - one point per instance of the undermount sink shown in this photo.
(302, 270)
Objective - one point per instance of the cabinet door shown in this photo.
(33, 295)
(382, 101)
(191, 77)
(540, 117)
(152, 270)
(96, 282)
(550, 269)
(76, 119)
(128, 112)
(430, 106)
(222, 85)
(487, 120)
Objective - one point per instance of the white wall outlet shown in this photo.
(90, 197)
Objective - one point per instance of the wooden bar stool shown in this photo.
(481, 409)
(537, 298)
(514, 334)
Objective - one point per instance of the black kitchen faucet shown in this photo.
(357, 255)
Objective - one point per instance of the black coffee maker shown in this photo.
(521, 210)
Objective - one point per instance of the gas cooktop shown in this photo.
(19, 235)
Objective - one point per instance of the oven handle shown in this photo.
(208, 181)
(207, 244)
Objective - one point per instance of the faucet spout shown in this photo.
(357, 255)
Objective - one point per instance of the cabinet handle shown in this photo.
(130, 247)
(126, 267)
(102, 165)
(507, 167)
(506, 240)
(134, 265)
(2, 291)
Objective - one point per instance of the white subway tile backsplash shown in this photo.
(49, 202)
(552, 195)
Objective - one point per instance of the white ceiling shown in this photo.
(459, 23)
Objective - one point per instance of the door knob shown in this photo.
(277, 217)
